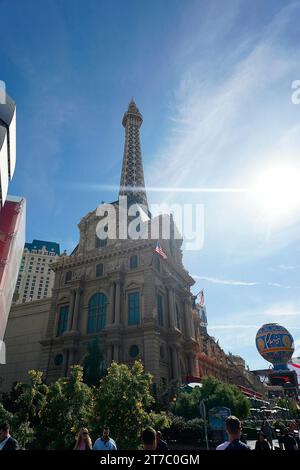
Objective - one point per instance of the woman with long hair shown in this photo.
(83, 441)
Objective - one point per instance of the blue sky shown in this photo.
(213, 83)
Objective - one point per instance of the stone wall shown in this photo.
(25, 329)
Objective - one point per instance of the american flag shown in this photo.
(160, 251)
(202, 299)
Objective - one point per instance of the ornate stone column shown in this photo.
(71, 309)
(171, 305)
(78, 293)
(190, 315)
(175, 363)
(191, 368)
(118, 302)
(190, 330)
(187, 320)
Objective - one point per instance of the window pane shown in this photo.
(62, 320)
(99, 270)
(133, 262)
(133, 308)
(91, 323)
(97, 313)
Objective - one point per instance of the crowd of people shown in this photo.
(152, 439)
(286, 439)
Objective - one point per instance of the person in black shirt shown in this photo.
(262, 443)
(288, 441)
(6, 441)
(234, 429)
(268, 432)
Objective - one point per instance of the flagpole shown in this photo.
(202, 290)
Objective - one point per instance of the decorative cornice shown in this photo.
(72, 262)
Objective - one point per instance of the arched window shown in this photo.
(97, 313)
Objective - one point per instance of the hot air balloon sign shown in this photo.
(275, 344)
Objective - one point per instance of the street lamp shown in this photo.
(203, 416)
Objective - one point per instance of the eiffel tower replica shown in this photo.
(121, 292)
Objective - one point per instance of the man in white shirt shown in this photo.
(223, 445)
(105, 442)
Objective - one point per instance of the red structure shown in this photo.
(12, 239)
(250, 393)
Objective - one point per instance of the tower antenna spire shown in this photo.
(132, 182)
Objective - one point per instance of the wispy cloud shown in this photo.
(282, 286)
(206, 112)
(229, 326)
(230, 282)
(203, 144)
(282, 309)
(289, 267)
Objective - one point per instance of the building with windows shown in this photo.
(120, 291)
(36, 278)
(117, 290)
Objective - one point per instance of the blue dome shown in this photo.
(275, 344)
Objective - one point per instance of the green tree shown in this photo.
(5, 416)
(187, 403)
(186, 430)
(215, 393)
(9, 399)
(290, 404)
(159, 421)
(93, 363)
(31, 398)
(23, 414)
(69, 407)
(122, 401)
(165, 395)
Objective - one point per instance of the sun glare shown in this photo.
(277, 190)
